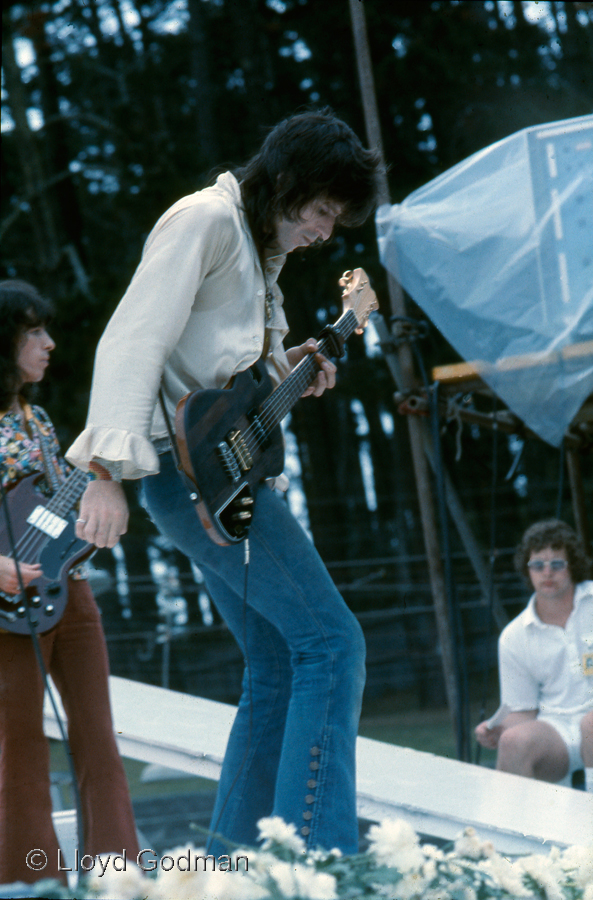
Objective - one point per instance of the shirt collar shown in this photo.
(581, 590)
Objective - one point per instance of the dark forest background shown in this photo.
(113, 109)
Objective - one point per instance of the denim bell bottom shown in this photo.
(291, 751)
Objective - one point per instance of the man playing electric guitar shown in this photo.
(202, 307)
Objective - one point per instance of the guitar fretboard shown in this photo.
(281, 401)
(69, 492)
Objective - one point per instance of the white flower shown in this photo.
(429, 869)
(321, 855)
(469, 893)
(395, 843)
(546, 874)
(506, 874)
(227, 886)
(469, 845)
(579, 862)
(296, 880)
(409, 887)
(275, 830)
(125, 885)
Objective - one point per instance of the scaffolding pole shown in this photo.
(408, 381)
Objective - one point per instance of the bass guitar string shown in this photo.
(59, 504)
(33, 538)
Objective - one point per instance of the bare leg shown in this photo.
(533, 749)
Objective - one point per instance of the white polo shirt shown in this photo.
(546, 667)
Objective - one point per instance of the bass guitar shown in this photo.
(43, 532)
(230, 440)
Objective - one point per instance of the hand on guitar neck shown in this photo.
(326, 379)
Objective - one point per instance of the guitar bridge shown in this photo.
(228, 461)
(234, 455)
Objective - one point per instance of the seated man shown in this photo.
(544, 727)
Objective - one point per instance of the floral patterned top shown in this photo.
(20, 446)
(21, 454)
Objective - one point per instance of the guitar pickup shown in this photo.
(47, 522)
(240, 450)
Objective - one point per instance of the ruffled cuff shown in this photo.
(135, 453)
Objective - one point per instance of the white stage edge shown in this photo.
(437, 796)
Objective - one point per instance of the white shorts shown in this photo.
(569, 729)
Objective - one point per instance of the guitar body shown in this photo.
(224, 451)
(46, 596)
(230, 440)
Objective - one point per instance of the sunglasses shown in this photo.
(538, 565)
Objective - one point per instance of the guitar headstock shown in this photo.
(358, 296)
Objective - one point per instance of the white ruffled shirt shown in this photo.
(193, 315)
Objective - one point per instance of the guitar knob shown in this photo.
(49, 610)
(35, 601)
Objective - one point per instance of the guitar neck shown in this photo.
(281, 401)
(68, 493)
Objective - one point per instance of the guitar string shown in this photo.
(31, 543)
(61, 503)
(279, 403)
(283, 398)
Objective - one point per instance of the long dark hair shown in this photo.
(559, 536)
(305, 157)
(21, 307)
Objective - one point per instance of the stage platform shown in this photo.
(437, 796)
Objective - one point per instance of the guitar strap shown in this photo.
(192, 490)
(49, 461)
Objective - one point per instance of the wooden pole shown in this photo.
(408, 380)
(573, 464)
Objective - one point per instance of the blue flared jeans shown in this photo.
(291, 751)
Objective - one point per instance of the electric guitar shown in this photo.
(230, 440)
(43, 531)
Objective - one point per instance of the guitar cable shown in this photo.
(214, 829)
(43, 671)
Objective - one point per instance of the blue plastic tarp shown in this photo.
(498, 252)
